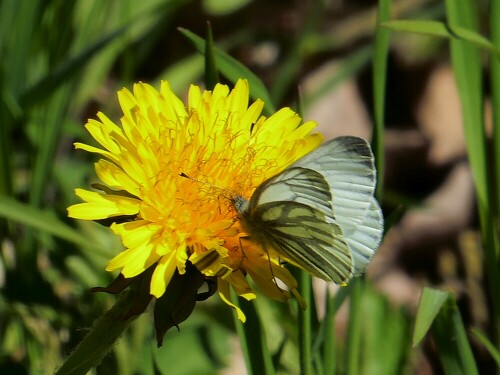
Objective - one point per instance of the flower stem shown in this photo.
(101, 338)
(305, 325)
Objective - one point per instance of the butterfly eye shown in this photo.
(240, 204)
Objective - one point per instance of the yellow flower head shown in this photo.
(174, 168)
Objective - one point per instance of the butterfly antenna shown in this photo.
(182, 174)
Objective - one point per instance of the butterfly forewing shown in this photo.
(346, 163)
(300, 185)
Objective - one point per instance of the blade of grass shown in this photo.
(353, 349)
(495, 97)
(26, 19)
(234, 70)
(48, 135)
(325, 343)
(431, 301)
(253, 343)
(451, 339)
(494, 251)
(385, 342)
(8, 11)
(48, 84)
(495, 354)
(5, 149)
(211, 73)
(379, 88)
(44, 221)
(438, 310)
(467, 64)
(305, 325)
(440, 29)
(328, 328)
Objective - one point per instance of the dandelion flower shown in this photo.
(171, 169)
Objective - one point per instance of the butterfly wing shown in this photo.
(365, 240)
(291, 214)
(300, 185)
(347, 165)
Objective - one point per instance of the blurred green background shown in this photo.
(62, 61)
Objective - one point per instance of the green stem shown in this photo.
(101, 338)
(305, 325)
(329, 350)
(493, 255)
(379, 87)
(354, 328)
(252, 339)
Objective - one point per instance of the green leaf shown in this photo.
(426, 27)
(305, 335)
(42, 220)
(440, 29)
(493, 251)
(495, 354)
(379, 75)
(211, 73)
(354, 333)
(47, 85)
(431, 302)
(495, 89)
(100, 340)
(224, 7)
(385, 341)
(468, 68)
(22, 25)
(252, 339)
(328, 333)
(452, 342)
(234, 70)
(438, 310)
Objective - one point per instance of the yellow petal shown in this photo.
(225, 295)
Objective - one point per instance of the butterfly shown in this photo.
(319, 213)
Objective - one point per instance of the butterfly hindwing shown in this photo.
(291, 214)
(300, 185)
(304, 237)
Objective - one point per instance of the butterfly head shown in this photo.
(240, 204)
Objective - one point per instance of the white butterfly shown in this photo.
(320, 213)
